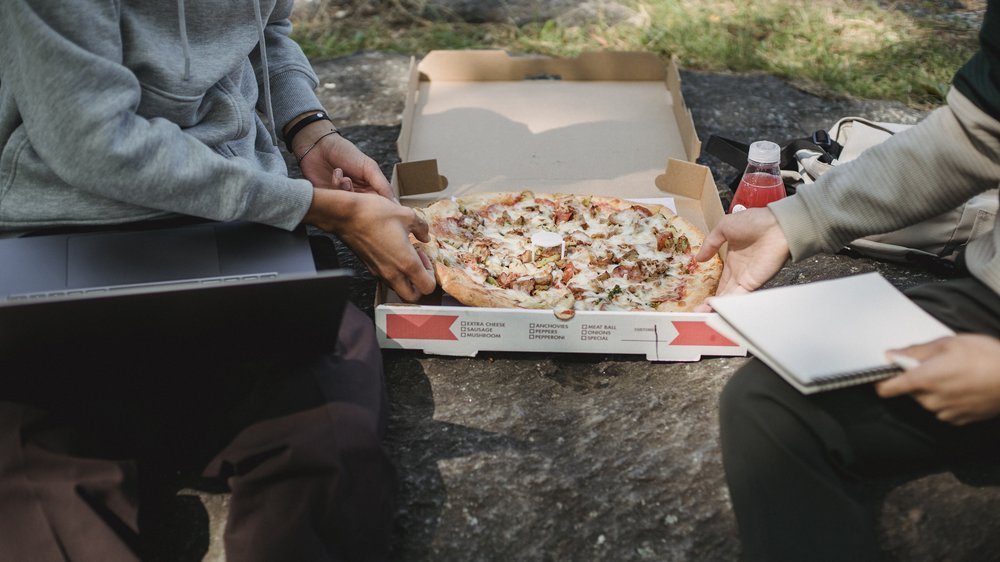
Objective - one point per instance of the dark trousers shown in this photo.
(797, 466)
(297, 440)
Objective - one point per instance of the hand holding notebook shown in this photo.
(828, 334)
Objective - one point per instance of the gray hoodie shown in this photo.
(122, 110)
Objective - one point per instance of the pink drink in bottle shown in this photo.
(761, 183)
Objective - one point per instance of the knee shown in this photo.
(752, 401)
(356, 340)
(327, 487)
(759, 410)
(345, 427)
(322, 451)
(740, 397)
(350, 437)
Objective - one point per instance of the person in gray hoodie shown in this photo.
(133, 110)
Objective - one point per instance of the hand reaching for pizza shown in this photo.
(329, 161)
(757, 249)
(378, 230)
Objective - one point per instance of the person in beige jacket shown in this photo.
(797, 465)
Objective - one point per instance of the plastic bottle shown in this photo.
(761, 182)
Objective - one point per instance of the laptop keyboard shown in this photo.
(114, 288)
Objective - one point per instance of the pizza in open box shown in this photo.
(609, 254)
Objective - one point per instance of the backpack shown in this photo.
(933, 243)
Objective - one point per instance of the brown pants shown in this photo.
(297, 442)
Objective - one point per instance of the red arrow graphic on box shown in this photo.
(419, 327)
(699, 333)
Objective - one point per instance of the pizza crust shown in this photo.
(457, 283)
(702, 283)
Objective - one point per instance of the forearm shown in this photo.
(929, 169)
(332, 209)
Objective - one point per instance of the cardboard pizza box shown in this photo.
(603, 124)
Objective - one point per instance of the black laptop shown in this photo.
(214, 291)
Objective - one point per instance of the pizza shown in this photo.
(596, 253)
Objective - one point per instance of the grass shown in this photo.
(860, 48)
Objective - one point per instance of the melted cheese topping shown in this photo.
(615, 259)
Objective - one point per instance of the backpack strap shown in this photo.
(820, 142)
(734, 152)
(729, 151)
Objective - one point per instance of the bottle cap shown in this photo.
(765, 152)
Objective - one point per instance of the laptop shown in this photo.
(212, 291)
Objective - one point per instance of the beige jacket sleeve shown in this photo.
(924, 171)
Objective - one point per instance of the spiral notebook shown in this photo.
(828, 334)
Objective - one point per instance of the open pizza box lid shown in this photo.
(604, 123)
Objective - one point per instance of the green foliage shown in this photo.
(851, 47)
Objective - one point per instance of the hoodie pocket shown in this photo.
(184, 110)
(213, 117)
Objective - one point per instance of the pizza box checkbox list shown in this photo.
(610, 124)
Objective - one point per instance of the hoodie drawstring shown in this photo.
(184, 39)
(182, 21)
(267, 75)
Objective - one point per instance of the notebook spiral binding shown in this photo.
(840, 380)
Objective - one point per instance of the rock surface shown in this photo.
(513, 456)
